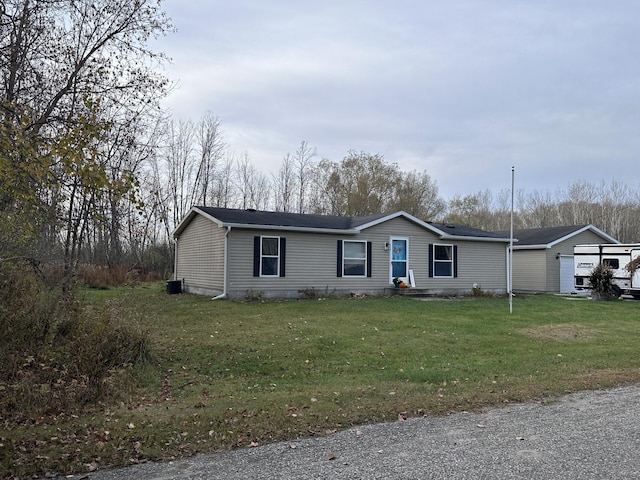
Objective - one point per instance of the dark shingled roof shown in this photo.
(542, 236)
(281, 219)
(464, 231)
(328, 222)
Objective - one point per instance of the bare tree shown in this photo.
(284, 184)
(223, 194)
(181, 169)
(211, 147)
(252, 185)
(538, 210)
(326, 189)
(303, 162)
(260, 192)
(502, 211)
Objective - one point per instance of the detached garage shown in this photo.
(543, 257)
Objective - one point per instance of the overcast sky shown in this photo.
(462, 89)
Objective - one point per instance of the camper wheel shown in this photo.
(616, 291)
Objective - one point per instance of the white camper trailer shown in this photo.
(615, 255)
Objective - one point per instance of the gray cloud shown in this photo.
(462, 89)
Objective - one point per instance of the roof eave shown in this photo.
(286, 228)
(475, 239)
(594, 229)
(406, 215)
(188, 217)
(531, 247)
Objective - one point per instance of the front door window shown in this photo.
(399, 258)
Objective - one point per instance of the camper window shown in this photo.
(611, 263)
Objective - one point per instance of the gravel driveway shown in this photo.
(589, 435)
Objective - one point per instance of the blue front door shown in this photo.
(399, 259)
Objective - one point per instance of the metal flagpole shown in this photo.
(511, 246)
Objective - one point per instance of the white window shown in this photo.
(269, 256)
(354, 259)
(443, 261)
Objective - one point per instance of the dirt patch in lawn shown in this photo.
(565, 332)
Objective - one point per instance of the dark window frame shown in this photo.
(433, 260)
(340, 273)
(259, 256)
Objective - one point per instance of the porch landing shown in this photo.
(410, 292)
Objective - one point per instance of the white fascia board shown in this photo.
(603, 234)
(595, 230)
(291, 229)
(184, 222)
(406, 215)
(442, 235)
(566, 237)
(476, 239)
(213, 219)
(189, 216)
(530, 247)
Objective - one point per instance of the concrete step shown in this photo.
(409, 292)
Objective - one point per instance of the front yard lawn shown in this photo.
(230, 374)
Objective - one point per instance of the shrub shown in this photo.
(601, 280)
(103, 277)
(477, 291)
(58, 355)
(309, 293)
(254, 296)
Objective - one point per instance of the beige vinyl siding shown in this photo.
(538, 270)
(552, 284)
(529, 270)
(200, 257)
(565, 248)
(418, 252)
(311, 262)
(481, 263)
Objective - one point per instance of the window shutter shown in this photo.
(339, 263)
(430, 260)
(455, 261)
(283, 252)
(256, 256)
(369, 262)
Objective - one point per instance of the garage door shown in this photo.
(566, 274)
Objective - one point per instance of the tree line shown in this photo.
(92, 170)
(363, 183)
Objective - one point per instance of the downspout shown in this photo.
(175, 258)
(224, 266)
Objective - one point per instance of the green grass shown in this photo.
(232, 374)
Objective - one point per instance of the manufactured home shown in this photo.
(237, 253)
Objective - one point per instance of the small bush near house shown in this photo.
(309, 293)
(254, 296)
